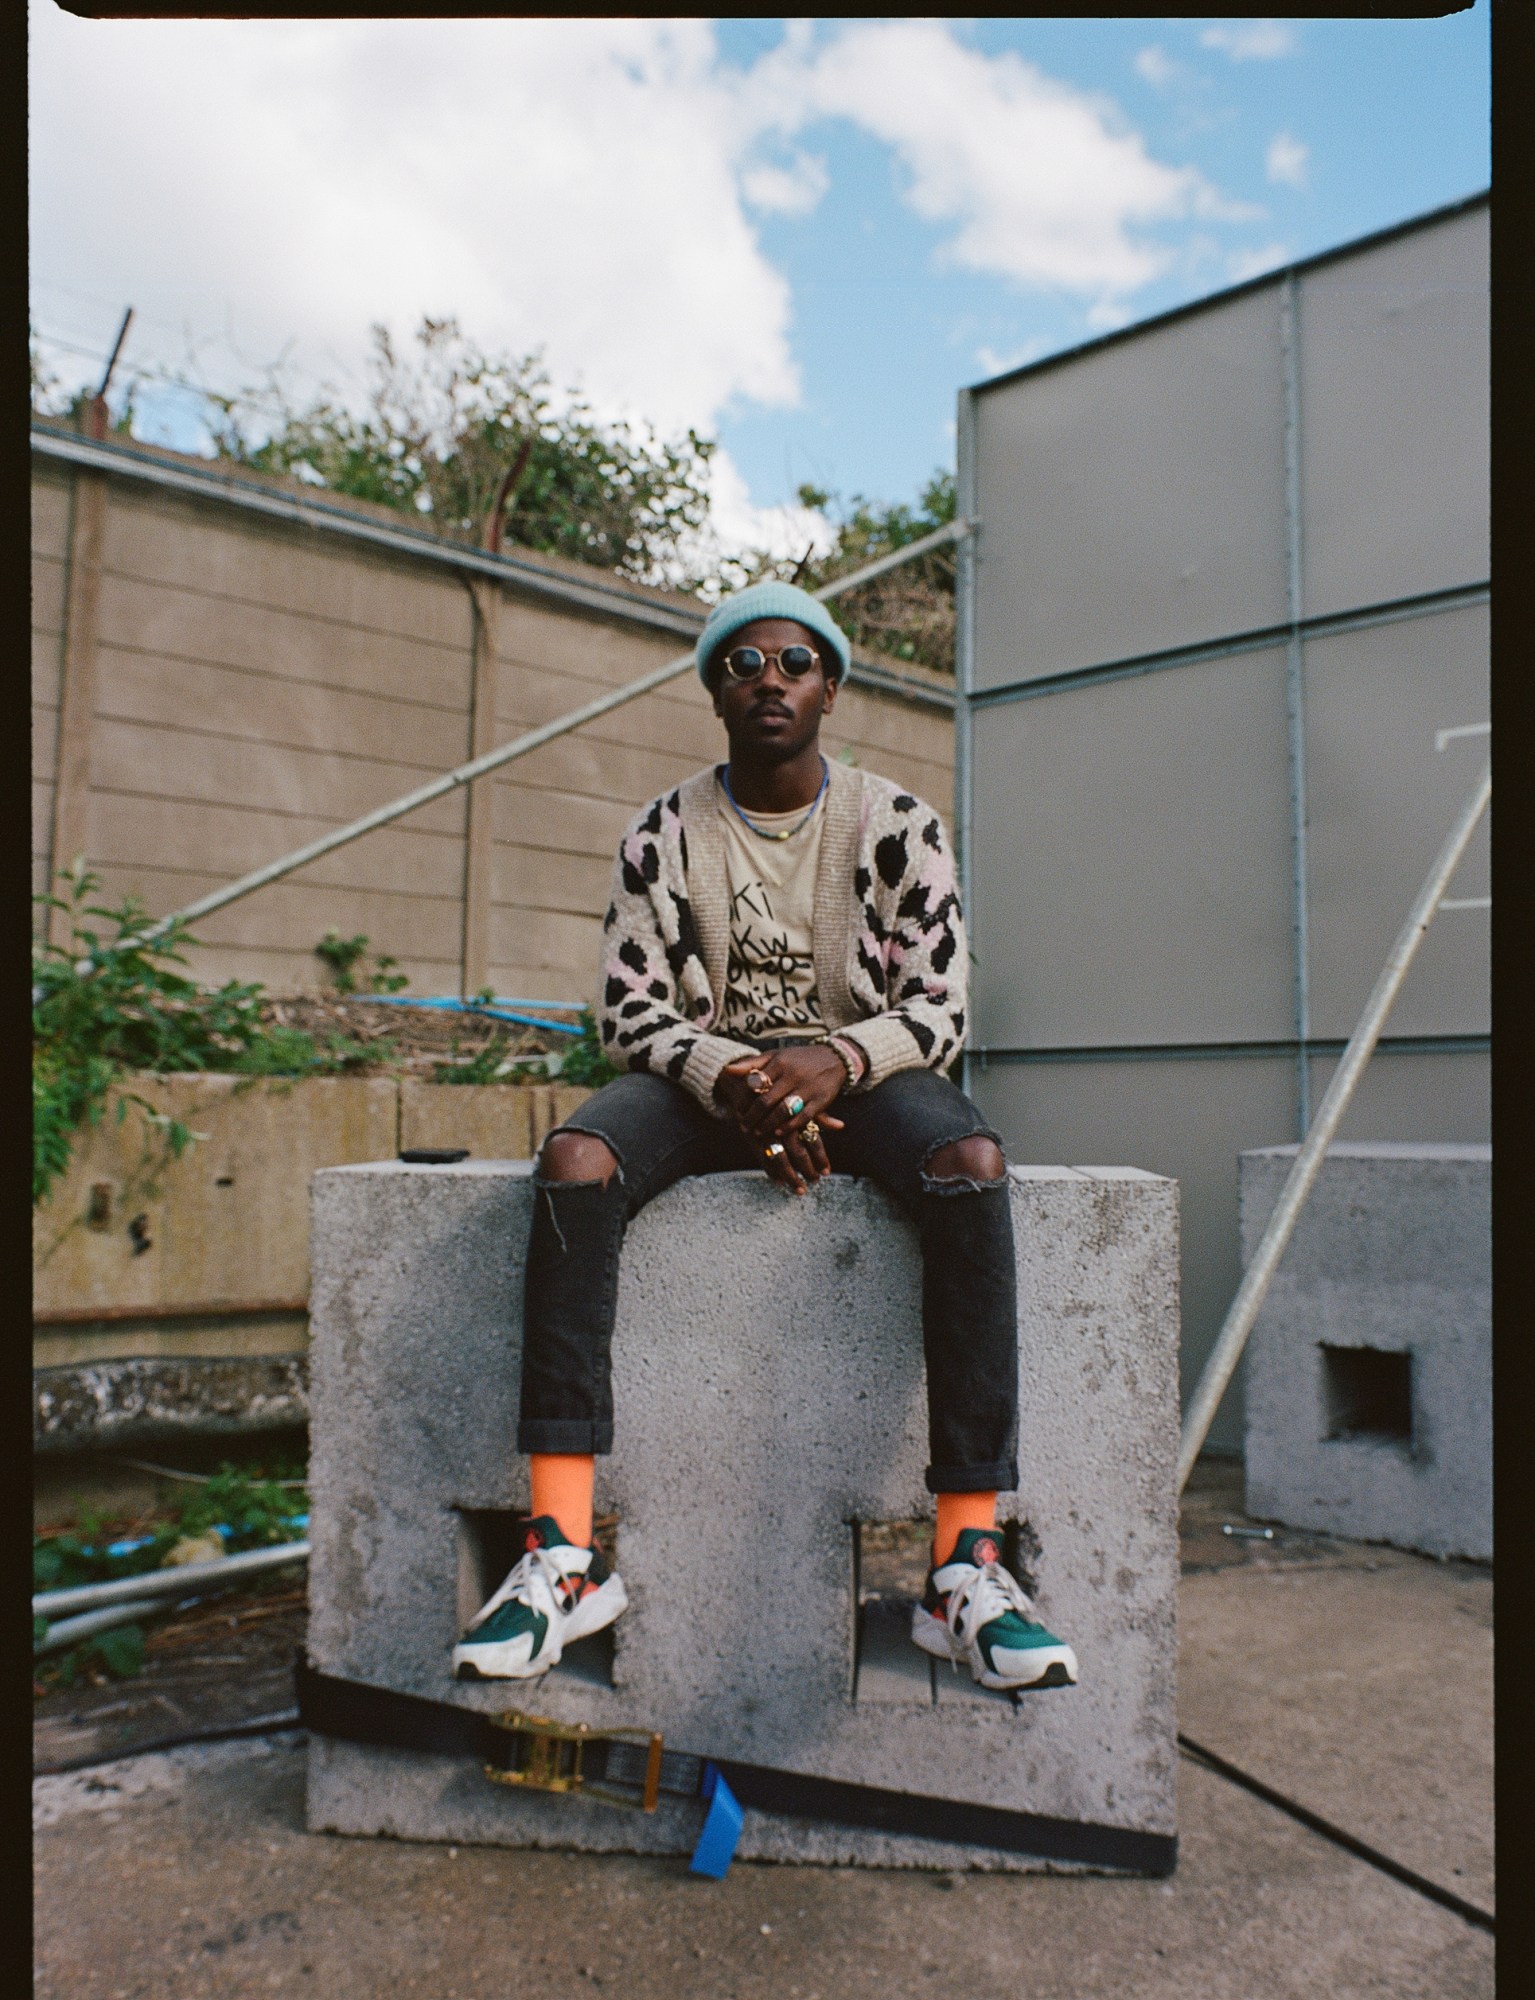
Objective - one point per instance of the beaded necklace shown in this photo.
(761, 832)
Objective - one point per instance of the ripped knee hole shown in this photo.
(576, 1159)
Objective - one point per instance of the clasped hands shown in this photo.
(757, 1092)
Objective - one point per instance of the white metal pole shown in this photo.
(492, 760)
(179, 1580)
(1308, 1161)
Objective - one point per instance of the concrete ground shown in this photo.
(1357, 1680)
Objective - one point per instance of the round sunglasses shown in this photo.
(745, 663)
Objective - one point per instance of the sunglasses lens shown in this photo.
(796, 660)
(745, 663)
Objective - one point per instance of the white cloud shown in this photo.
(585, 185)
(1286, 160)
(991, 361)
(1107, 316)
(1244, 264)
(794, 189)
(1043, 182)
(572, 184)
(1251, 41)
(737, 524)
(1156, 67)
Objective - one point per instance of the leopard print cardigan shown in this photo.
(888, 936)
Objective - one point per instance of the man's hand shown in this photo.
(758, 1090)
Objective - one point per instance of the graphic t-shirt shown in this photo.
(770, 976)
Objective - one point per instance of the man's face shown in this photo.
(773, 719)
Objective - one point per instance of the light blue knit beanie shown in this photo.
(771, 600)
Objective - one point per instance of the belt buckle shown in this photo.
(549, 1757)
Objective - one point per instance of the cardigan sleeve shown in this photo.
(912, 947)
(643, 1015)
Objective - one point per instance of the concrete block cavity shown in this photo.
(771, 1436)
(1369, 1370)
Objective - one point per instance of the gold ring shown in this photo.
(758, 1081)
(810, 1132)
(772, 1152)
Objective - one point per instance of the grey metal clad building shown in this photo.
(1230, 583)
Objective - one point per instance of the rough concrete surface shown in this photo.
(769, 1389)
(1356, 1679)
(1392, 1256)
(189, 1876)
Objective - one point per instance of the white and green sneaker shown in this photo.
(973, 1609)
(557, 1593)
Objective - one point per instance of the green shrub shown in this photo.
(346, 956)
(492, 1064)
(104, 1005)
(585, 1061)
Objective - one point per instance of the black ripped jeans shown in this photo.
(660, 1134)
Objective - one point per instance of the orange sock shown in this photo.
(956, 1512)
(562, 1487)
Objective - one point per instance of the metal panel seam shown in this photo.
(1295, 715)
(1323, 1047)
(1263, 638)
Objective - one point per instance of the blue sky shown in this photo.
(799, 237)
(1393, 117)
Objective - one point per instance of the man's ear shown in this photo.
(714, 695)
(829, 697)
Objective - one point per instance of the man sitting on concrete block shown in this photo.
(784, 982)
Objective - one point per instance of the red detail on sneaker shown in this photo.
(985, 1551)
(532, 1540)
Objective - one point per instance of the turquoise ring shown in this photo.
(795, 1106)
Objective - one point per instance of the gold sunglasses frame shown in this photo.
(745, 680)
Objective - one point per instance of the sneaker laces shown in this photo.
(538, 1571)
(988, 1591)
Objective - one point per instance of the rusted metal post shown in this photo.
(69, 835)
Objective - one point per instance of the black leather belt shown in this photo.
(633, 1767)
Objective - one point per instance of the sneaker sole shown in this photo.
(933, 1636)
(488, 1663)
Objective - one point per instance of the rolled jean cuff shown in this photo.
(564, 1434)
(1001, 1476)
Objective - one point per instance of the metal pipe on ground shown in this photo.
(184, 1580)
(70, 1631)
(1259, 1274)
(492, 760)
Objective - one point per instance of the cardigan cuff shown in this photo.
(707, 1057)
(888, 1046)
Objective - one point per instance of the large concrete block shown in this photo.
(769, 1390)
(1369, 1370)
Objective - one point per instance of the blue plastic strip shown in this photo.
(722, 1827)
(496, 1013)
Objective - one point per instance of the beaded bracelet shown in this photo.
(844, 1053)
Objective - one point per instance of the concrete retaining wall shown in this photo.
(171, 1296)
(768, 1377)
(1369, 1384)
